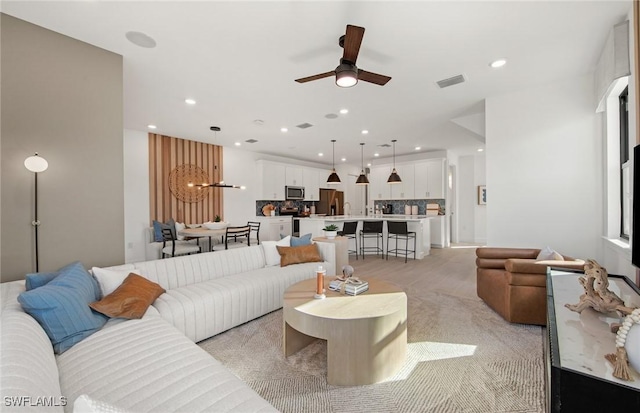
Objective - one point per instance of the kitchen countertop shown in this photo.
(384, 217)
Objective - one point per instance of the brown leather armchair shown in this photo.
(514, 284)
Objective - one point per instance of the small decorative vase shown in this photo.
(632, 345)
(330, 234)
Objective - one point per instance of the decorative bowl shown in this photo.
(215, 225)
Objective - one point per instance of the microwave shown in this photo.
(294, 192)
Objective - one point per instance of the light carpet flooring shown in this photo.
(462, 356)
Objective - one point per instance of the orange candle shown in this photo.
(320, 280)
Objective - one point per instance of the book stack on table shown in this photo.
(349, 288)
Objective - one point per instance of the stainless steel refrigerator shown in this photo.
(331, 202)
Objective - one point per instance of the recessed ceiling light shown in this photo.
(480, 150)
(369, 164)
(364, 132)
(284, 130)
(344, 159)
(418, 148)
(238, 144)
(140, 39)
(344, 111)
(151, 126)
(190, 101)
(498, 63)
(320, 154)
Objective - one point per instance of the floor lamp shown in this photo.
(36, 164)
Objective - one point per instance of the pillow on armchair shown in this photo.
(159, 226)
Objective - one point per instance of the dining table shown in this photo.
(203, 232)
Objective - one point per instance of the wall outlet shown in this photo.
(130, 245)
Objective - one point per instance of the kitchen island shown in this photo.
(420, 224)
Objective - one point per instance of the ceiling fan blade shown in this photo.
(315, 77)
(373, 77)
(352, 41)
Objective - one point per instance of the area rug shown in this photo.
(462, 357)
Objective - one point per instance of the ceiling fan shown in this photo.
(347, 73)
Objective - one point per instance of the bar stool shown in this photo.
(349, 231)
(398, 230)
(371, 229)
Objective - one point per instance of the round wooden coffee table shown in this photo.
(366, 334)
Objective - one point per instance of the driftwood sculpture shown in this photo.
(598, 296)
(596, 292)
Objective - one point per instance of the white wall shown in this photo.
(136, 194)
(62, 98)
(544, 169)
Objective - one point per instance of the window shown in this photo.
(625, 166)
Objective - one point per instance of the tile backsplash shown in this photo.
(278, 204)
(398, 205)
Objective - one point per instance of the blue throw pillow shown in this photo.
(39, 279)
(303, 240)
(61, 307)
(158, 226)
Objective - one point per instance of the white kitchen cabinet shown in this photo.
(429, 179)
(279, 227)
(311, 182)
(293, 176)
(272, 227)
(404, 189)
(272, 180)
(379, 189)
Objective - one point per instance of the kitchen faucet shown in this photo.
(344, 207)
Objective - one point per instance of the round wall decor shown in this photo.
(181, 176)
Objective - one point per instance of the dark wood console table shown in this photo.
(578, 378)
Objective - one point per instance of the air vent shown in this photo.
(304, 125)
(385, 145)
(451, 81)
(251, 141)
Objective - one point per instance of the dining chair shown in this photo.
(172, 248)
(238, 235)
(254, 226)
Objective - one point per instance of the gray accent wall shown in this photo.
(61, 98)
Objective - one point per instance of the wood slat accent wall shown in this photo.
(165, 153)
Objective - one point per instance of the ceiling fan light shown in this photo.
(346, 75)
(394, 178)
(333, 178)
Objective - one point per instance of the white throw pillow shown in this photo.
(179, 227)
(85, 404)
(109, 280)
(547, 253)
(271, 255)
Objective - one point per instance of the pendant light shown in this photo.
(333, 179)
(362, 179)
(394, 178)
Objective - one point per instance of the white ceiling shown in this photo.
(239, 59)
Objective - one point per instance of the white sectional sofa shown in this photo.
(151, 364)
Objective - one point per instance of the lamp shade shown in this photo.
(36, 163)
(362, 179)
(333, 178)
(394, 178)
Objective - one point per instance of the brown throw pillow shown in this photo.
(131, 299)
(298, 255)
